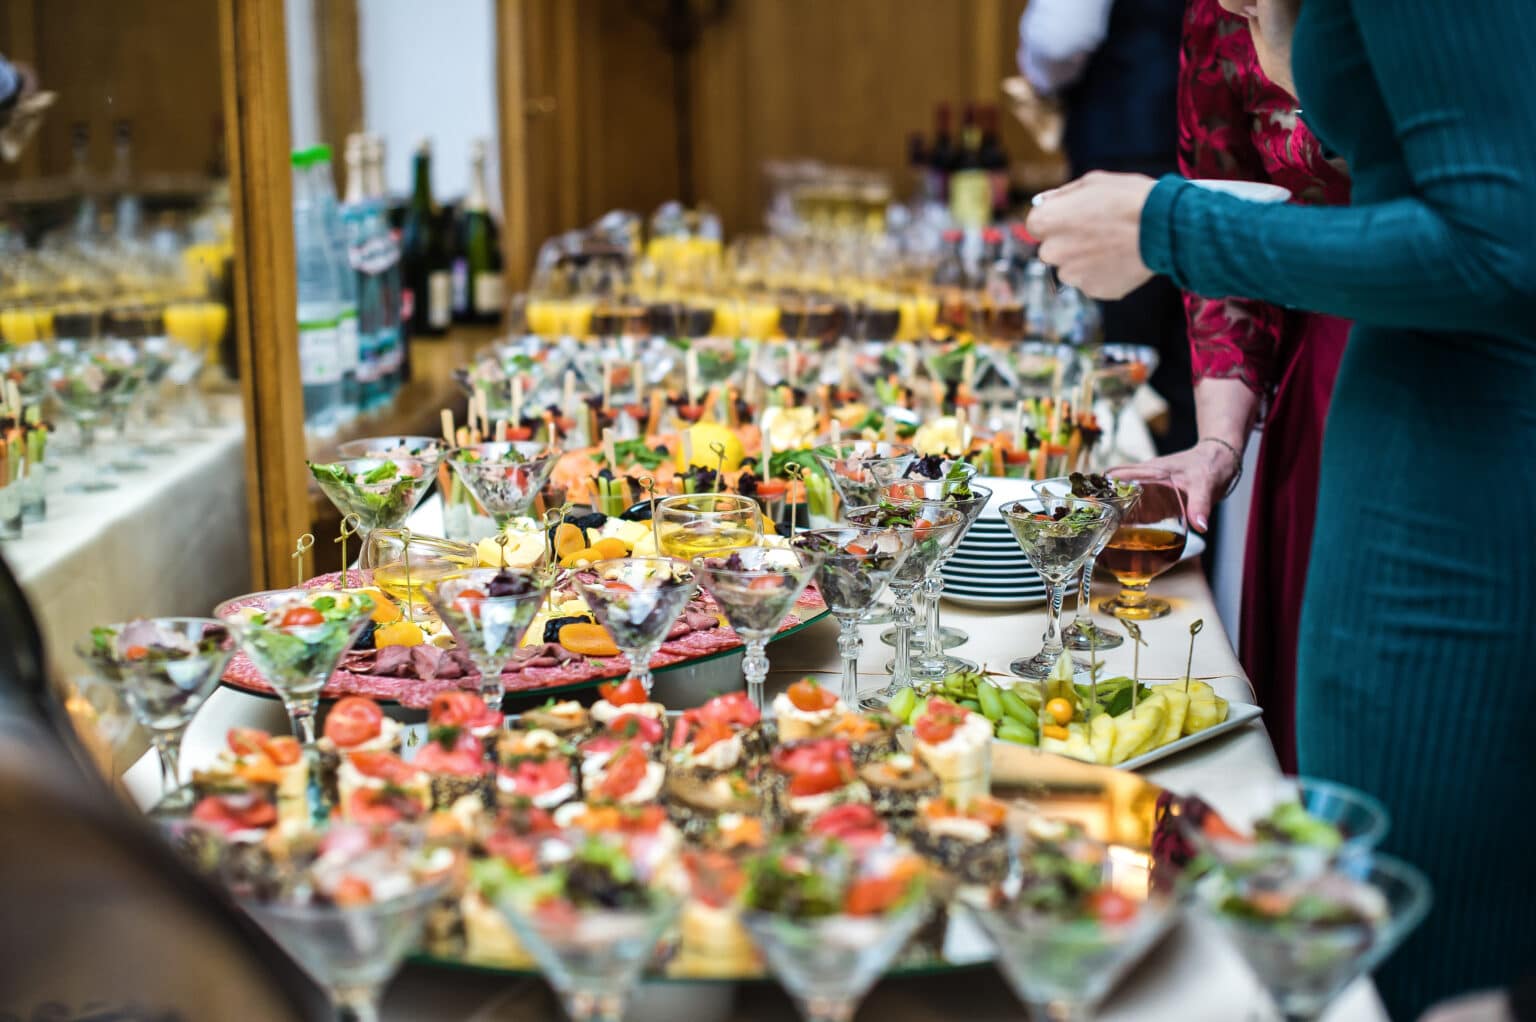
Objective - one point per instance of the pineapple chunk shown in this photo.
(1137, 730)
(1104, 733)
(1178, 709)
(1206, 708)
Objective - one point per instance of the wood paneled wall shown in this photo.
(843, 81)
(154, 63)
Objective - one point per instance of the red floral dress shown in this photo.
(1235, 123)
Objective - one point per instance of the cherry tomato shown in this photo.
(765, 583)
(457, 708)
(626, 693)
(872, 895)
(221, 813)
(709, 733)
(855, 549)
(302, 617)
(284, 750)
(849, 821)
(1060, 709)
(135, 653)
(351, 890)
(818, 778)
(469, 602)
(384, 766)
(245, 741)
(623, 773)
(1112, 907)
(808, 696)
(941, 720)
(354, 720)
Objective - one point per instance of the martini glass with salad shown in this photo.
(856, 567)
(381, 492)
(488, 610)
(935, 529)
(1082, 634)
(637, 599)
(1070, 920)
(1057, 534)
(296, 637)
(859, 470)
(954, 490)
(756, 587)
(504, 477)
(829, 916)
(166, 668)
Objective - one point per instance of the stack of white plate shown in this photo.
(988, 569)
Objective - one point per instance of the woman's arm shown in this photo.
(1457, 254)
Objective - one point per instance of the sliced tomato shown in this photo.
(246, 741)
(626, 693)
(856, 550)
(283, 750)
(987, 810)
(383, 766)
(532, 777)
(457, 708)
(849, 822)
(353, 721)
(710, 732)
(623, 773)
(941, 720)
(469, 602)
(766, 584)
(515, 849)
(821, 776)
(302, 617)
(717, 878)
(633, 727)
(135, 653)
(352, 890)
(808, 696)
(870, 896)
(1110, 906)
(465, 757)
(734, 708)
(220, 812)
(376, 806)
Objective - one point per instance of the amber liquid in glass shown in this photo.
(1138, 554)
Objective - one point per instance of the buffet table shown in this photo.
(170, 540)
(1193, 976)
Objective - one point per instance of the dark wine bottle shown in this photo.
(477, 265)
(428, 279)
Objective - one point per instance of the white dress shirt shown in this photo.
(1056, 38)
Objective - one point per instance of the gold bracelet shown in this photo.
(1237, 459)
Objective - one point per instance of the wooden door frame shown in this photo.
(252, 35)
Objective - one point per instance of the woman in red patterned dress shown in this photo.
(1234, 122)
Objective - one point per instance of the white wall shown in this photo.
(429, 71)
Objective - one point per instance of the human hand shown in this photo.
(1202, 473)
(1485, 1006)
(1090, 230)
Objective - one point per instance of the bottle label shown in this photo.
(460, 286)
(970, 198)
(439, 299)
(407, 304)
(488, 294)
(348, 340)
(319, 354)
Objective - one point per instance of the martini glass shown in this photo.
(131, 353)
(429, 450)
(1118, 369)
(1060, 959)
(935, 529)
(637, 599)
(382, 492)
(756, 587)
(166, 668)
(934, 639)
(592, 953)
(1057, 534)
(297, 657)
(828, 962)
(85, 380)
(488, 610)
(504, 477)
(1082, 634)
(1148, 540)
(856, 567)
(405, 565)
(696, 524)
(1308, 941)
(860, 469)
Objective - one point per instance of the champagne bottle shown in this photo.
(477, 266)
(428, 278)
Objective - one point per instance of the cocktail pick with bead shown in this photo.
(796, 472)
(301, 548)
(1134, 631)
(1194, 629)
(718, 450)
(405, 557)
(351, 525)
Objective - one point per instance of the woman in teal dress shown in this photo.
(1417, 658)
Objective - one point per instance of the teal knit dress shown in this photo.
(1417, 660)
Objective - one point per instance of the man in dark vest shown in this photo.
(1114, 67)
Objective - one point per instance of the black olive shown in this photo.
(365, 637)
(553, 625)
(638, 512)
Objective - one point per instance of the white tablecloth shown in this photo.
(172, 540)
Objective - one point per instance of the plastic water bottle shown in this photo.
(320, 302)
(394, 355)
(348, 331)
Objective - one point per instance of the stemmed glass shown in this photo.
(1057, 534)
(828, 949)
(1307, 940)
(856, 566)
(85, 380)
(130, 354)
(592, 944)
(1118, 369)
(1061, 954)
(296, 637)
(1148, 541)
(756, 587)
(381, 492)
(1082, 634)
(637, 599)
(695, 524)
(488, 610)
(505, 477)
(405, 565)
(428, 450)
(933, 638)
(935, 528)
(166, 667)
(859, 470)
